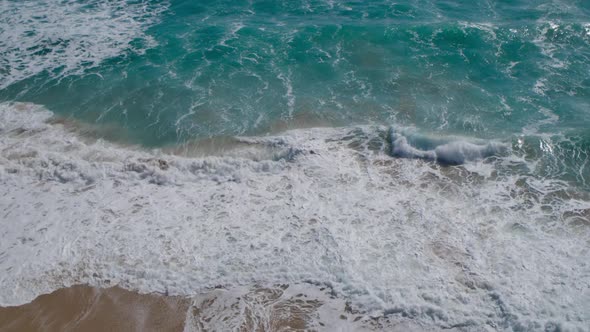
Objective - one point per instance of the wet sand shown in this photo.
(84, 308)
(279, 307)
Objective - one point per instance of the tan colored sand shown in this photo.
(84, 308)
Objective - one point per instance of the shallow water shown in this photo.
(272, 308)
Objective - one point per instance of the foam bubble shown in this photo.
(460, 246)
(63, 38)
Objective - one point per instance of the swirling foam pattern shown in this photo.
(67, 37)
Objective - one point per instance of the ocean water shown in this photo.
(425, 162)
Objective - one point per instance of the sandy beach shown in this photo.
(84, 308)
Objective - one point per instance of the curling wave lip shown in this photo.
(444, 151)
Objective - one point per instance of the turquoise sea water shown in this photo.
(424, 161)
(201, 69)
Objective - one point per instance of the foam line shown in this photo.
(395, 237)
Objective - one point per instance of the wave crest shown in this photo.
(448, 152)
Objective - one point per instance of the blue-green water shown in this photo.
(168, 72)
(428, 162)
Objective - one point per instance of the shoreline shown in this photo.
(279, 307)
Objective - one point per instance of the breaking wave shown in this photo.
(483, 244)
(444, 150)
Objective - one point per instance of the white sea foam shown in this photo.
(68, 37)
(284, 308)
(286, 79)
(548, 47)
(399, 238)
